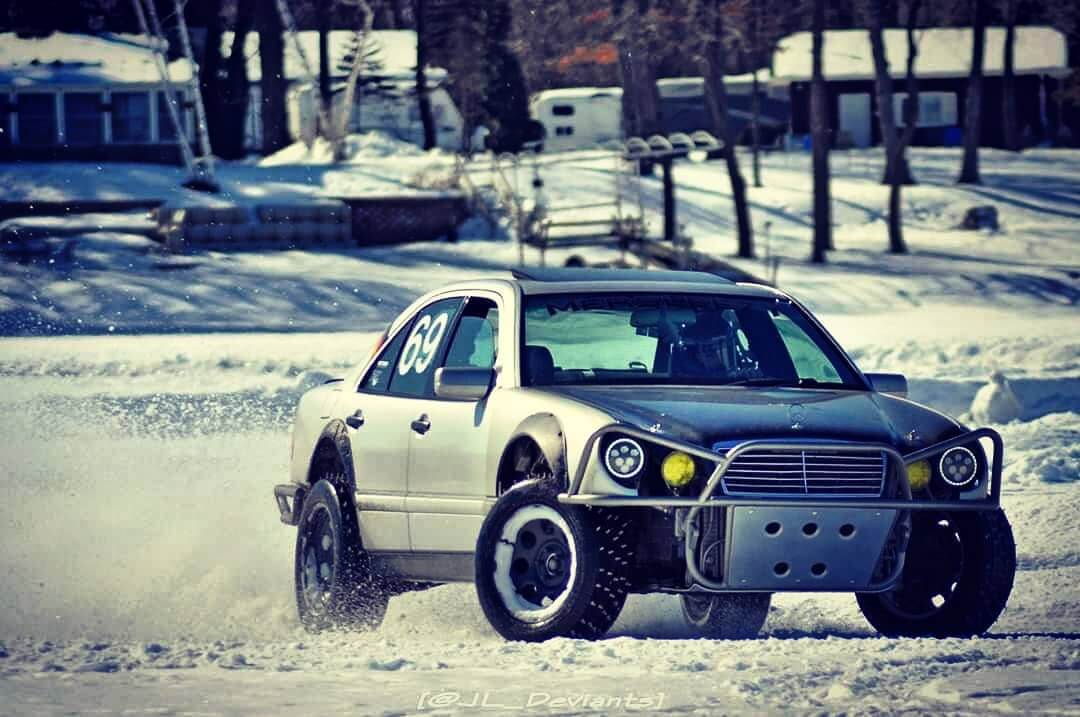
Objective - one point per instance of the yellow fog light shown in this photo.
(918, 475)
(677, 469)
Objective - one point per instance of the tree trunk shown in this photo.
(755, 131)
(207, 14)
(273, 84)
(324, 11)
(427, 118)
(1008, 81)
(716, 96)
(969, 171)
(819, 130)
(236, 90)
(637, 74)
(897, 245)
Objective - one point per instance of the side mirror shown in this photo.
(463, 383)
(892, 383)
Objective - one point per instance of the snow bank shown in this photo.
(358, 148)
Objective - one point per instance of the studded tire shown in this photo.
(726, 616)
(958, 575)
(335, 587)
(598, 544)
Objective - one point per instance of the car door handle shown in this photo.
(356, 420)
(421, 425)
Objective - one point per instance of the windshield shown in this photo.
(676, 339)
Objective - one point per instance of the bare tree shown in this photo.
(969, 171)
(641, 99)
(236, 87)
(273, 84)
(423, 98)
(896, 166)
(819, 130)
(715, 62)
(1008, 79)
(895, 142)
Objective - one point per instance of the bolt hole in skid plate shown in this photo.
(791, 548)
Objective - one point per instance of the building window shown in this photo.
(166, 131)
(82, 118)
(36, 113)
(563, 110)
(564, 131)
(936, 109)
(130, 117)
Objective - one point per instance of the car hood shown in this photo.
(711, 415)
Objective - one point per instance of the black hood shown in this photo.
(706, 415)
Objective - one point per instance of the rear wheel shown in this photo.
(958, 574)
(547, 570)
(334, 584)
(727, 616)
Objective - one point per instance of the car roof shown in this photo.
(567, 274)
(570, 280)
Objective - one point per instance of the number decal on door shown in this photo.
(423, 343)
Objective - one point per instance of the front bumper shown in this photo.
(750, 558)
(290, 499)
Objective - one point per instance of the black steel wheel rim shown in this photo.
(932, 570)
(540, 565)
(317, 564)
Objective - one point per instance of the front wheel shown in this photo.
(547, 570)
(958, 574)
(726, 616)
(334, 584)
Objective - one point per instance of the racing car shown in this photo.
(562, 438)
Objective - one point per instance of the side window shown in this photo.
(378, 376)
(810, 361)
(412, 375)
(476, 337)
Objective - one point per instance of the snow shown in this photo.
(70, 59)
(396, 52)
(145, 568)
(358, 149)
(943, 52)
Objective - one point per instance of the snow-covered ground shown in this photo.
(144, 569)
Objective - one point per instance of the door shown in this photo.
(855, 118)
(448, 455)
(378, 418)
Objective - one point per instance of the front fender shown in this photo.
(546, 432)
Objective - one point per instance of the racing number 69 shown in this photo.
(422, 343)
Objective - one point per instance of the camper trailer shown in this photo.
(578, 117)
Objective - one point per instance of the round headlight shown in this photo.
(958, 466)
(624, 458)
(677, 470)
(918, 475)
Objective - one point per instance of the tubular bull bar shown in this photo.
(896, 483)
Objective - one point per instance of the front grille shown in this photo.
(818, 472)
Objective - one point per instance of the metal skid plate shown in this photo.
(776, 548)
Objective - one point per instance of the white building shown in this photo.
(94, 97)
(396, 113)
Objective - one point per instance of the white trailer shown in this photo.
(578, 117)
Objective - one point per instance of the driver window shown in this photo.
(476, 337)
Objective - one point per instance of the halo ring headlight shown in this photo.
(624, 459)
(958, 466)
